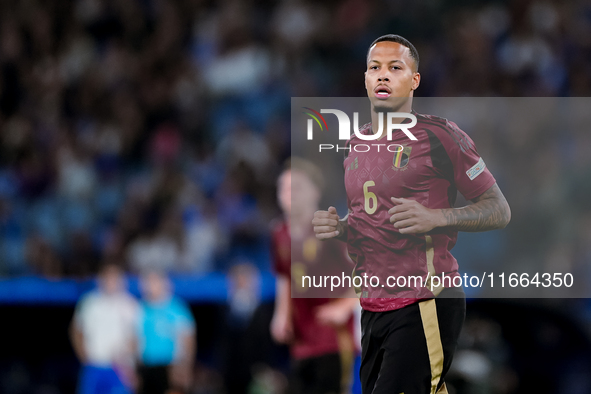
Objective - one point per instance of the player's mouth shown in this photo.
(382, 92)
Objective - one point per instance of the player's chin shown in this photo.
(387, 104)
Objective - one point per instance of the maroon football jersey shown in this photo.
(311, 257)
(430, 170)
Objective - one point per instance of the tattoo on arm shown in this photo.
(490, 211)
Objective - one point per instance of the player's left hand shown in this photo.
(411, 217)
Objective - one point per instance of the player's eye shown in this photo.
(373, 68)
(397, 67)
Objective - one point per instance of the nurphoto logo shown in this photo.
(345, 127)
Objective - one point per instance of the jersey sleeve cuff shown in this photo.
(479, 190)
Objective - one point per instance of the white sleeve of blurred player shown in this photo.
(108, 324)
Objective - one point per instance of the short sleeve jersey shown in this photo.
(313, 258)
(107, 322)
(430, 170)
(161, 329)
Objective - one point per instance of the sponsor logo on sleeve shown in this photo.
(476, 169)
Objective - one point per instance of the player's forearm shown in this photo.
(77, 340)
(489, 212)
(187, 353)
(283, 297)
(483, 216)
(351, 302)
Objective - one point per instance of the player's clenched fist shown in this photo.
(326, 224)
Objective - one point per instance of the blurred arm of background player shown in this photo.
(281, 327)
(182, 368)
(77, 339)
(337, 312)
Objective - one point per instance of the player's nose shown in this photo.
(383, 78)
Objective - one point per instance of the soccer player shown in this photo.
(102, 334)
(402, 223)
(319, 330)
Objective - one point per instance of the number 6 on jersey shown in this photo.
(371, 201)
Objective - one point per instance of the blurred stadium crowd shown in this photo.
(149, 134)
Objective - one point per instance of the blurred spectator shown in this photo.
(166, 338)
(102, 334)
(43, 259)
(157, 247)
(111, 111)
(76, 174)
(82, 260)
(202, 241)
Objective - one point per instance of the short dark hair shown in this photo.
(402, 41)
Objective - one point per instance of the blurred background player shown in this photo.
(318, 330)
(166, 338)
(102, 333)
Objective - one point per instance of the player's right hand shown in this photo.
(326, 224)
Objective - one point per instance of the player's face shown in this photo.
(297, 194)
(111, 281)
(305, 196)
(155, 287)
(390, 78)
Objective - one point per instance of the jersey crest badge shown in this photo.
(401, 158)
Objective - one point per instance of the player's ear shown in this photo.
(416, 80)
(365, 79)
